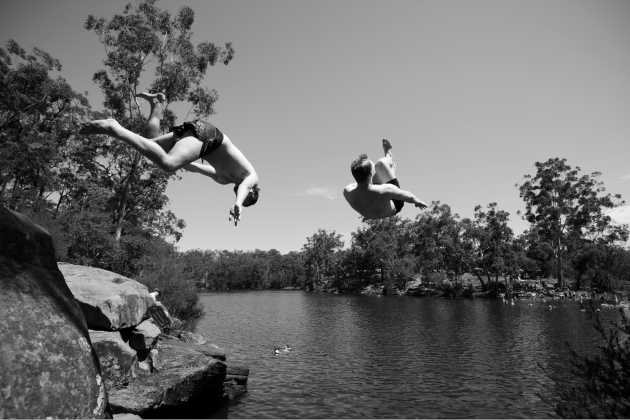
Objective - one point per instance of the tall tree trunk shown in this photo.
(4, 187)
(13, 203)
(61, 196)
(483, 285)
(578, 281)
(122, 209)
(560, 279)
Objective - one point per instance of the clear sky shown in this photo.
(470, 93)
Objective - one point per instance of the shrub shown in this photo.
(162, 269)
(601, 384)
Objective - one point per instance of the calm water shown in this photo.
(367, 356)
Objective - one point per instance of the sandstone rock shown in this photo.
(119, 362)
(190, 384)
(144, 336)
(47, 363)
(235, 382)
(211, 350)
(126, 416)
(109, 301)
(188, 337)
(237, 371)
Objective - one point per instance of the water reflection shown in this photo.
(368, 356)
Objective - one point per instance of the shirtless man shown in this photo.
(377, 193)
(185, 144)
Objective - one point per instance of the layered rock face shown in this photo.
(48, 366)
(186, 379)
(149, 373)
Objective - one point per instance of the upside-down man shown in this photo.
(377, 193)
(185, 144)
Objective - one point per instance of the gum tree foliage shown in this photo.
(538, 250)
(320, 254)
(495, 254)
(386, 244)
(39, 114)
(243, 269)
(597, 259)
(561, 204)
(140, 38)
(442, 240)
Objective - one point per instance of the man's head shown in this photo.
(361, 168)
(251, 198)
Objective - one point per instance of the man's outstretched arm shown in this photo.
(393, 193)
(241, 194)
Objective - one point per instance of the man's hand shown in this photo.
(421, 205)
(235, 213)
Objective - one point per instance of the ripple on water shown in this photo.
(391, 357)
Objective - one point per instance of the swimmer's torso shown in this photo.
(231, 165)
(369, 203)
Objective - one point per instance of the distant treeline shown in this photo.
(392, 251)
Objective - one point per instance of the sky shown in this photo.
(470, 93)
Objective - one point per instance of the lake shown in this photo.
(362, 356)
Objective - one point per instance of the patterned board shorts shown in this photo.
(208, 134)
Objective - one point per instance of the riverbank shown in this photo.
(469, 286)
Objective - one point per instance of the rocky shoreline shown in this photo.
(78, 342)
(412, 288)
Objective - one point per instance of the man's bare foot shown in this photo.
(98, 127)
(152, 97)
(387, 146)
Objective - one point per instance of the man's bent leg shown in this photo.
(151, 129)
(385, 166)
(183, 152)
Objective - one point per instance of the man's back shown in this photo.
(230, 163)
(370, 201)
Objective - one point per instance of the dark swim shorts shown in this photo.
(210, 136)
(397, 203)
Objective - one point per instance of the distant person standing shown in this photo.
(377, 193)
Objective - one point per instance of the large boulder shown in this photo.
(119, 362)
(48, 366)
(189, 384)
(109, 301)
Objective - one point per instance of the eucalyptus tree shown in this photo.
(320, 251)
(443, 241)
(495, 238)
(140, 38)
(39, 115)
(293, 265)
(386, 244)
(561, 204)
